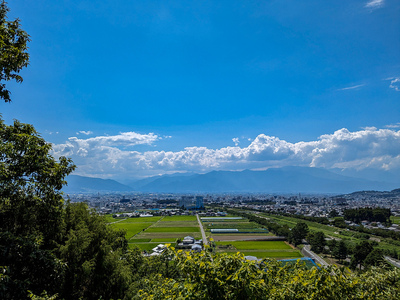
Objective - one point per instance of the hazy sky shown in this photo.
(137, 88)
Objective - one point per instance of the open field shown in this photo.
(109, 218)
(257, 245)
(173, 229)
(168, 235)
(147, 233)
(395, 220)
(260, 249)
(131, 228)
(179, 218)
(176, 224)
(143, 246)
(246, 230)
(166, 230)
(142, 219)
(268, 254)
(240, 237)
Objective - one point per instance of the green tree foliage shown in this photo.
(333, 213)
(360, 253)
(369, 214)
(31, 202)
(374, 258)
(44, 244)
(317, 241)
(26, 266)
(298, 233)
(340, 250)
(232, 277)
(94, 254)
(13, 51)
(31, 208)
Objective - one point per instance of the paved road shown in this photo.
(392, 261)
(307, 252)
(203, 234)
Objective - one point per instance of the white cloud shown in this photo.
(351, 87)
(395, 84)
(85, 132)
(397, 125)
(236, 141)
(367, 148)
(373, 4)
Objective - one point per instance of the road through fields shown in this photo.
(203, 234)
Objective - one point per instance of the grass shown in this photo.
(173, 229)
(179, 218)
(164, 240)
(142, 220)
(143, 246)
(176, 224)
(139, 240)
(131, 228)
(169, 235)
(257, 245)
(109, 218)
(275, 255)
(237, 225)
(395, 220)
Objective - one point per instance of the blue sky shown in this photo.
(138, 88)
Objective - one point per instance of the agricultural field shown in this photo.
(260, 249)
(250, 239)
(133, 226)
(395, 220)
(245, 229)
(166, 230)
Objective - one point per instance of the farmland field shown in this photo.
(246, 230)
(166, 230)
(173, 229)
(146, 233)
(395, 220)
(131, 228)
(257, 245)
(260, 249)
(179, 218)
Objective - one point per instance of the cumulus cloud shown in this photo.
(367, 148)
(236, 141)
(85, 132)
(373, 4)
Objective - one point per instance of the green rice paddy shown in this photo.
(257, 245)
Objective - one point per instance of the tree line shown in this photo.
(378, 214)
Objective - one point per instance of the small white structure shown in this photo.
(158, 250)
(188, 240)
(196, 248)
(145, 215)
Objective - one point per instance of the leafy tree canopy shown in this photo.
(13, 51)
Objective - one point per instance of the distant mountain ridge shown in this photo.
(82, 184)
(381, 194)
(274, 180)
(277, 180)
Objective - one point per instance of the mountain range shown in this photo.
(274, 180)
